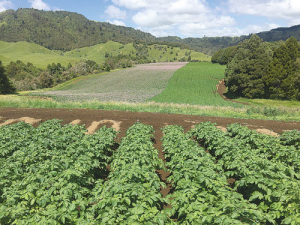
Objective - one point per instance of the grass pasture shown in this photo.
(33, 53)
(164, 53)
(195, 84)
(29, 52)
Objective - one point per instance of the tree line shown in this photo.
(257, 69)
(20, 76)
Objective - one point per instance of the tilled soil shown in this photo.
(122, 120)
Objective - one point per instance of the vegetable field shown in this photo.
(58, 174)
(196, 84)
(137, 84)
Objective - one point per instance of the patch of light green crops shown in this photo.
(195, 84)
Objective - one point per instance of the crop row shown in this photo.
(201, 192)
(132, 194)
(57, 174)
(48, 173)
(265, 169)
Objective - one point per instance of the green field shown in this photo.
(149, 88)
(33, 53)
(195, 84)
(137, 84)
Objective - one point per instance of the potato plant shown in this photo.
(265, 169)
(47, 173)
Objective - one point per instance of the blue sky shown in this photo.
(183, 18)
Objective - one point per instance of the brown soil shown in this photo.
(221, 89)
(120, 120)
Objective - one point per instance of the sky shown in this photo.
(182, 18)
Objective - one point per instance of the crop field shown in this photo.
(56, 172)
(137, 84)
(195, 84)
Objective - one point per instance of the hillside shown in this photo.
(61, 30)
(31, 52)
(210, 45)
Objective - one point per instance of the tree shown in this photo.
(282, 72)
(6, 87)
(244, 73)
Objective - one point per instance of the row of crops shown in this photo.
(56, 174)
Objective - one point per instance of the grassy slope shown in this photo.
(33, 53)
(97, 52)
(163, 53)
(41, 57)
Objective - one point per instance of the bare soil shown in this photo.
(221, 89)
(122, 120)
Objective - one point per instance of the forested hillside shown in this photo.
(63, 30)
(210, 45)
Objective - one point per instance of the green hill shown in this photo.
(41, 56)
(63, 30)
(33, 53)
(210, 45)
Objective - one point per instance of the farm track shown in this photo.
(122, 120)
(221, 89)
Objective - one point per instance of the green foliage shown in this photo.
(132, 194)
(244, 73)
(224, 56)
(201, 194)
(48, 173)
(282, 77)
(6, 87)
(265, 169)
(28, 77)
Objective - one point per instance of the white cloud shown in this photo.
(39, 4)
(4, 5)
(115, 12)
(283, 9)
(117, 22)
(131, 4)
(191, 7)
(198, 18)
(161, 16)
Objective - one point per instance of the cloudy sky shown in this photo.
(183, 18)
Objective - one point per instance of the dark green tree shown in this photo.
(282, 72)
(6, 87)
(244, 73)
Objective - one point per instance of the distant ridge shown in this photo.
(62, 30)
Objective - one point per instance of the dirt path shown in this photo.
(221, 89)
(120, 120)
